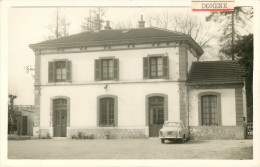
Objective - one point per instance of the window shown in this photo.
(59, 71)
(106, 69)
(155, 66)
(107, 111)
(157, 110)
(209, 110)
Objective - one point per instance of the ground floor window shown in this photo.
(107, 110)
(209, 110)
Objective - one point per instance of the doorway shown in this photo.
(156, 115)
(60, 117)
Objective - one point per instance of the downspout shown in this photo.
(188, 105)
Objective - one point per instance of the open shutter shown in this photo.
(51, 72)
(116, 69)
(69, 72)
(97, 70)
(165, 67)
(146, 67)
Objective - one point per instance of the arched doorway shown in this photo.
(156, 115)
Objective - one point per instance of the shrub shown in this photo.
(80, 135)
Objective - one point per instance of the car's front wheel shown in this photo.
(162, 141)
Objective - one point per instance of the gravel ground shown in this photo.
(129, 149)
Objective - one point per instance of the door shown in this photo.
(60, 117)
(24, 126)
(156, 115)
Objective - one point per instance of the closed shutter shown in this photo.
(165, 67)
(51, 72)
(145, 67)
(97, 70)
(69, 72)
(116, 69)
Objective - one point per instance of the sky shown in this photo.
(29, 25)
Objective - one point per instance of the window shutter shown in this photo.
(165, 67)
(145, 67)
(97, 70)
(116, 69)
(51, 72)
(69, 72)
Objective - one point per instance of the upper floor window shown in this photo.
(155, 66)
(106, 69)
(59, 71)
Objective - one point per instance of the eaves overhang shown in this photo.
(186, 38)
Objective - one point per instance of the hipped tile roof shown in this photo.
(216, 72)
(117, 36)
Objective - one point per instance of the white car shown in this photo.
(174, 131)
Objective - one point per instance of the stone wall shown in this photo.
(217, 132)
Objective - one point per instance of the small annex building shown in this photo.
(126, 83)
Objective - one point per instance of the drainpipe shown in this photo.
(188, 105)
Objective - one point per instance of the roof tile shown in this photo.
(215, 72)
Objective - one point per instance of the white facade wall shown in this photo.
(130, 64)
(131, 88)
(131, 102)
(228, 106)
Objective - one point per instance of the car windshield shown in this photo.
(172, 124)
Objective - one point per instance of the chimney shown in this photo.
(141, 22)
(97, 23)
(107, 27)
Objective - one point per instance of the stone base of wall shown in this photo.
(100, 133)
(45, 133)
(217, 132)
(36, 131)
(113, 133)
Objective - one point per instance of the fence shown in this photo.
(249, 130)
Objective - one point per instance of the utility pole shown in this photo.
(57, 23)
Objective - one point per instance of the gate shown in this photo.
(249, 130)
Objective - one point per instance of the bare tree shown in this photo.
(126, 24)
(185, 23)
(98, 14)
(59, 27)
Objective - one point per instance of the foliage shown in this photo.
(232, 24)
(81, 135)
(11, 110)
(243, 50)
(46, 136)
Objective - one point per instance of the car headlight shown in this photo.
(161, 133)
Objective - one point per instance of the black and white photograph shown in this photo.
(132, 82)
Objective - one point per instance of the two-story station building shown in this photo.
(128, 82)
